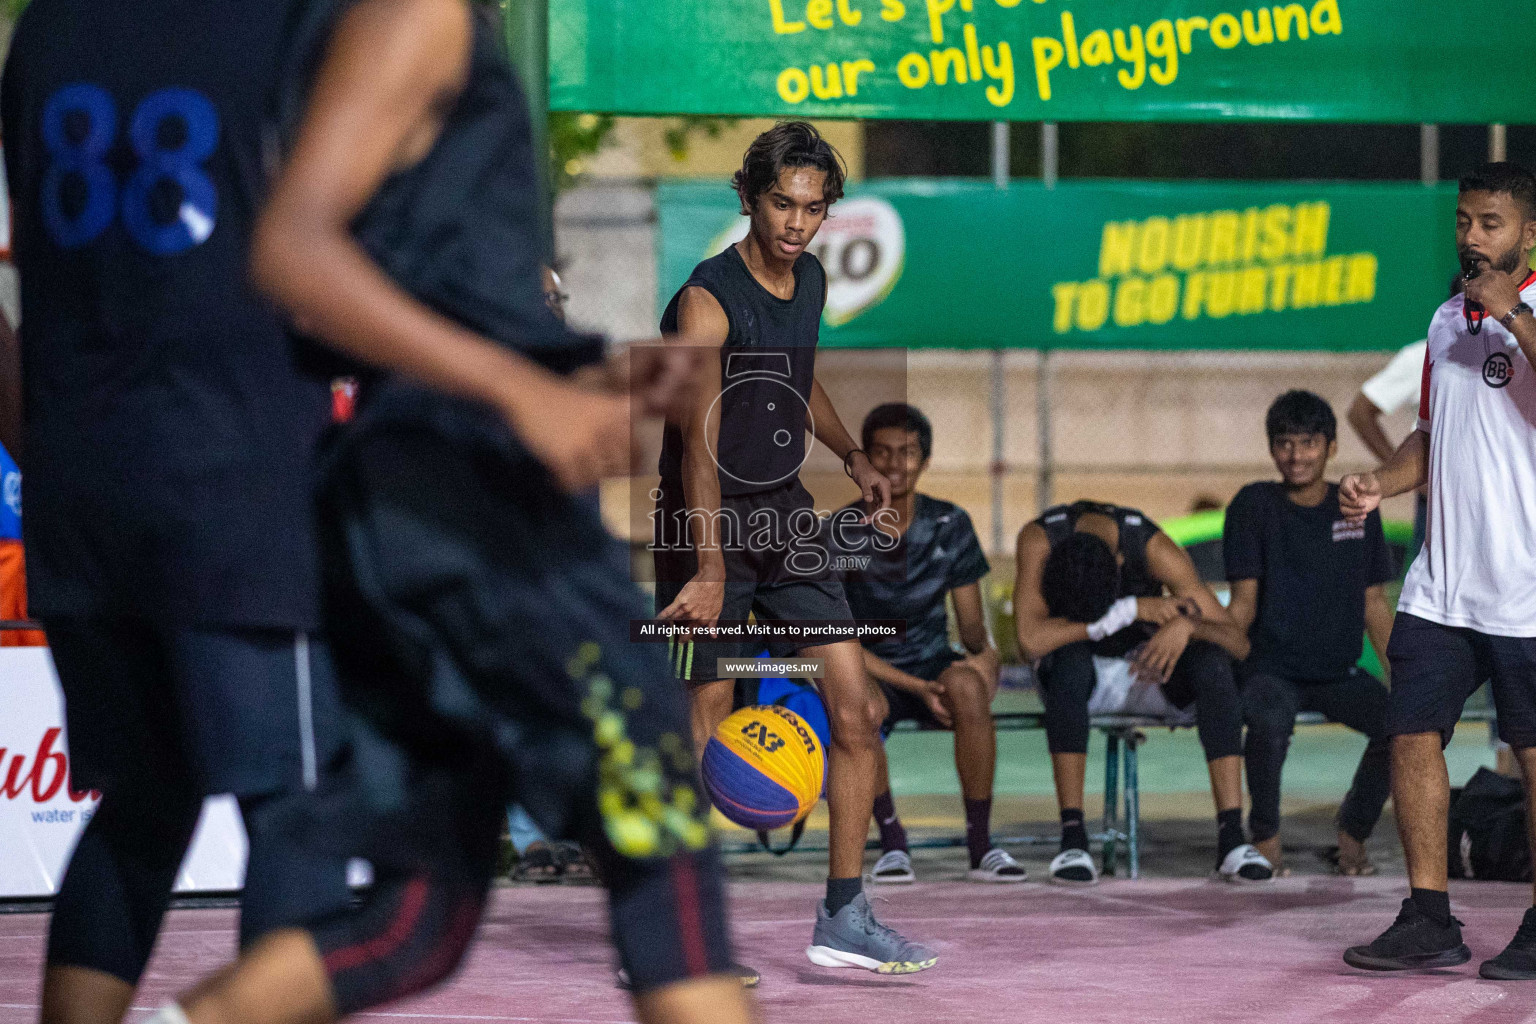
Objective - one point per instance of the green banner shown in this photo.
(1045, 60)
(1162, 265)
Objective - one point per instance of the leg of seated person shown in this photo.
(1204, 676)
(1066, 684)
(970, 708)
(968, 700)
(1359, 701)
(1269, 705)
(893, 836)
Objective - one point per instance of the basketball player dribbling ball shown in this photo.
(732, 469)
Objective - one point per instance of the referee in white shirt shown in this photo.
(1468, 607)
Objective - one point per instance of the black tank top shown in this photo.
(458, 230)
(1060, 521)
(767, 369)
(170, 419)
(1136, 580)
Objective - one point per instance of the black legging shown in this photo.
(1203, 676)
(118, 885)
(1270, 704)
(412, 929)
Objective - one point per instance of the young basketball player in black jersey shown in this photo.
(480, 610)
(732, 514)
(170, 427)
(1090, 612)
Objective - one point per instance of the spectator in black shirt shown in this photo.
(1306, 584)
(900, 566)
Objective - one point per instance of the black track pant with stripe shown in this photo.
(481, 618)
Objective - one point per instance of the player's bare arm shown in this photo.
(975, 637)
(377, 104)
(1244, 603)
(1378, 622)
(703, 322)
(1366, 419)
(1037, 631)
(1361, 493)
(822, 418)
(1171, 566)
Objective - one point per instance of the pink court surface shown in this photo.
(1149, 951)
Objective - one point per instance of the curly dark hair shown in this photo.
(788, 144)
(1081, 578)
(898, 414)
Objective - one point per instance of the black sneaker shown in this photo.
(1414, 942)
(1518, 961)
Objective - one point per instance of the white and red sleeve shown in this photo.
(1423, 423)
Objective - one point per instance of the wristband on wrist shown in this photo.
(1121, 614)
(847, 458)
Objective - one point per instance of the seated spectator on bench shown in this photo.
(919, 551)
(1306, 585)
(1090, 612)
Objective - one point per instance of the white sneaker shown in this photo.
(893, 868)
(998, 866)
(1245, 858)
(1074, 867)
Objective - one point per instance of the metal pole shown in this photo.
(526, 25)
(1000, 154)
(1049, 153)
(1044, 484)
(999, 465)
(1429, 153)
(1498, 143)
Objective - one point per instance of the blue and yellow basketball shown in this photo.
(764, 767)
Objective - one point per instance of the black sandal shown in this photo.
(537, 864)
(572, 862)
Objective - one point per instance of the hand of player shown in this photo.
(698, 604)
(659, 374)
(933, 695)
(1162, 610)
(1159, 655)
(1496, 293)
(1359, 496)
(875, 487)
(580, 435)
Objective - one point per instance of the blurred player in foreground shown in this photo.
(480, 610)
(170, 427)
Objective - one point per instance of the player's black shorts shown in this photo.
(480, 619)
(1435, 668)
(242, 711)
(778, 574)
(907, 706)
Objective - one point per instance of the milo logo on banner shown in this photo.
(1213, 265)
(863, 247)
